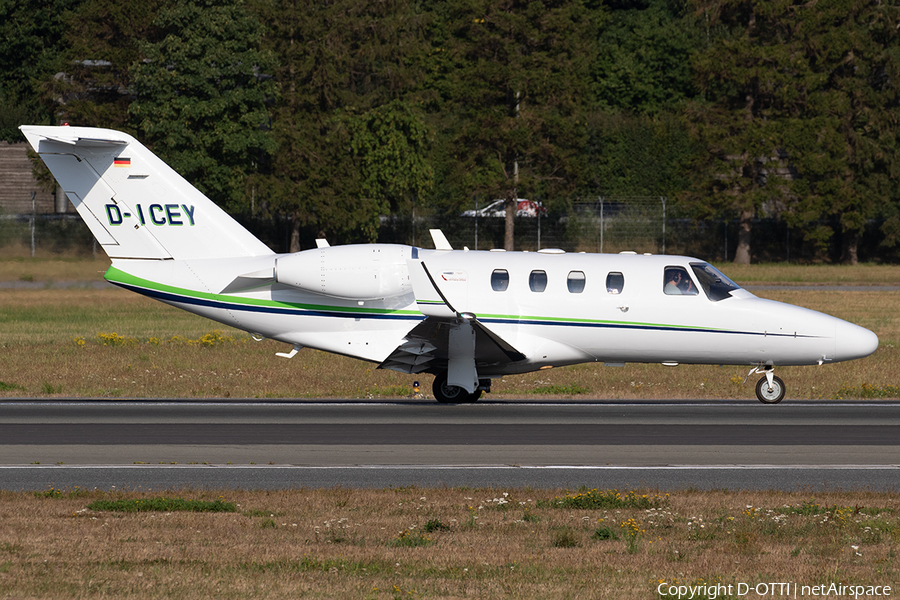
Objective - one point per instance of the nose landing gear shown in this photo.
(769, 389)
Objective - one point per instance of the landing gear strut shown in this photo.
(769, 389)
(451, 394)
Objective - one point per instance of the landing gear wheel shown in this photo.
(451, 394)
(770, 394)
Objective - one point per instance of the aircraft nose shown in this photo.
(852, 341)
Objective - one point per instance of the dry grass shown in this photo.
(440, 543)
(406, 542)
(53, 345)
(783, 273)
(16, 264)
(46, 267)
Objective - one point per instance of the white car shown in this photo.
(524, 208)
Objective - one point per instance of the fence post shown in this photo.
(663, 198)
(33, 219)
(476, 224)
(601, 224)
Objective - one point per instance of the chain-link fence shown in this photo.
(64, 234)
(603, 225)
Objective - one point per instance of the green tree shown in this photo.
(390, 143)
(103, 40)
(31, 42)
(202, 94)
(844, 144)
(799, 115)
(639, 143)
(644, 50)
(519, 91)
(636, 155)
(338, 61)
(747, 81)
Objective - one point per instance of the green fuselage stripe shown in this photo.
(175, 294)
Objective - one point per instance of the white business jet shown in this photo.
(466, 317)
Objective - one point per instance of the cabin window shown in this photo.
(615, 282)
(677, 282)
(575, 282)
(537, 281)
(500, 280)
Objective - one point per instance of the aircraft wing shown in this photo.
(428, 346)
(447, 339)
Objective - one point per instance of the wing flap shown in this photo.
(427, 347)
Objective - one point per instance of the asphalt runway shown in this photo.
(670, 445)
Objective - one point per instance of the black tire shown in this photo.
(772, 395)
(451, 394)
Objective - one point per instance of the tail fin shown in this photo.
(134, 204)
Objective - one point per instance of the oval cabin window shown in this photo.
(615, 282)
(575, 282)
(537, 281)
(500, 280)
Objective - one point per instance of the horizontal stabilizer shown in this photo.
(84, 142)
(248, 281)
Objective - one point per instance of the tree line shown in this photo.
(333, 113)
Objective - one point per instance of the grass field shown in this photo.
(443, 543)
(46, 267)
(413, 542)
(87, 342)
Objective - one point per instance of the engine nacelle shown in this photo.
(357, 272)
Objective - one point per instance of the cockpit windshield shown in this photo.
(716, 285)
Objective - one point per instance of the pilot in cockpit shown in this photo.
(673, 281)
(678, 283)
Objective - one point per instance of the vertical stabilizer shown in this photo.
(134, 204)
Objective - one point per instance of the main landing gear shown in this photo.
(451, 394)
(769, 389)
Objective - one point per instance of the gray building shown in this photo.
(17, 184)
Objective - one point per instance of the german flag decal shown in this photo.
(122, 162)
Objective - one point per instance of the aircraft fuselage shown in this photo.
(554, 308)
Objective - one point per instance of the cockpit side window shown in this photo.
(615, 282)
(500, 280)
(716, 285)
(677, 282)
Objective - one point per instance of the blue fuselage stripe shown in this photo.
(276, 310)
(288, 310)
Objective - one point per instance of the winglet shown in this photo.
(440, 240)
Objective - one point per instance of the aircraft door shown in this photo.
(615, 290)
